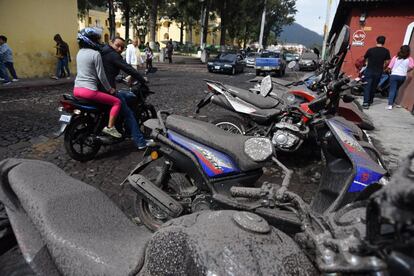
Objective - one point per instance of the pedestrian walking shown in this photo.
(399, 66)
(6, 62)
(63, 58)
(377, 59)
(149, 56)
(170, 49)
(133, 55)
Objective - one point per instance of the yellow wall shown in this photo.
(95, 18)
(30, 26)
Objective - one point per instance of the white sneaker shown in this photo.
(7, 83)
(14, 80)
(54, 77)
(111, 131)
(1, 79)
(389, 107)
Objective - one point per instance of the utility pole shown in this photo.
(326, 28)
(262, 26)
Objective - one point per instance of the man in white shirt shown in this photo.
(133, 55)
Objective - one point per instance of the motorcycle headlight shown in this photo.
(209, 63)
(258, 149)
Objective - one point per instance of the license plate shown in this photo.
(65, 118)
(217, 67)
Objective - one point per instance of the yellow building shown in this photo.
(99, 18)
(30, 26)
(168, 29)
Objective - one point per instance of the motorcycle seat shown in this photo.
(84, 102)
(216, 138)
(83, 229)
(252, 98)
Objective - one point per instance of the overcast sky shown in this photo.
(311, 13)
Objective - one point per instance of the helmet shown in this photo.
(89, 38)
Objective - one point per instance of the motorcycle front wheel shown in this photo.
(79, 142)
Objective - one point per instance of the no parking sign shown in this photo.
(358, 38)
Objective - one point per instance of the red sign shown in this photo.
(358, 38)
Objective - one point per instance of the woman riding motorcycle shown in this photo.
(90, 70)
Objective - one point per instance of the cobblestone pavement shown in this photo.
(28, 118)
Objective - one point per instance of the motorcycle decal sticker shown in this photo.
(367, 171)
(213, 162)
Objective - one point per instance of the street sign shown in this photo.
(358, 38)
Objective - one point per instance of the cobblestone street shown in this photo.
(29, 117)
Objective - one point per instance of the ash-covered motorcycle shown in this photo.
(82, 121)
(52, 224)
(193, 166)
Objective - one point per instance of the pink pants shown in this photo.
(100, 97)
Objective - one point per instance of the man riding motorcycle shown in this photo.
(113, 64)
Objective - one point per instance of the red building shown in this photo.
(369, 19)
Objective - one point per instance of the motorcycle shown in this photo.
(373, 235)
(262, 114)
(82, 121)
(194, 165)
(61, 226)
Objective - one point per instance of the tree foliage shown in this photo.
(240, 19)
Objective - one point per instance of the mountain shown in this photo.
(296, 33)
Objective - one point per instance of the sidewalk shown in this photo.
(35, 82)
(394, 132)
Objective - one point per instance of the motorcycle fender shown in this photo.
(205, 101)
(367, 170)
(64, 120)
(303, 94)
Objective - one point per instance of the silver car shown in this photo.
(250, 59)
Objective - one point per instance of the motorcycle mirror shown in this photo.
(292, 64)
(266, 86)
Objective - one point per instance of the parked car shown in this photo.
(250, 59)
(308, 61)
(272, 62)
(289, 57)
(297, 57)
(229, 63)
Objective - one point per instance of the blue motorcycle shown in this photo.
(82, 121)
(197, 166)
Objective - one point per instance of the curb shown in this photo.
(35, 83)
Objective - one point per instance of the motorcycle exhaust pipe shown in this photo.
(148, 190)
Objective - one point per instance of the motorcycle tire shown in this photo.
(146, 212)
(147, 112)
(12, 263)
(80, 130)
(231, 124)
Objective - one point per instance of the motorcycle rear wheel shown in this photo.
(148, 213)
(231, 124)
(78, 140)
